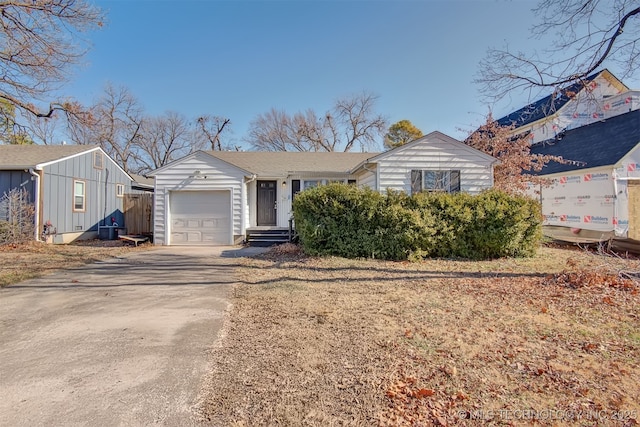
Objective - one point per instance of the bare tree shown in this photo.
(40, 43)
(43, 129)
(587, 34)
(115, 122)
(351, 121)
(164, 139)
(211, 127)
(518, 166)
(276, 131)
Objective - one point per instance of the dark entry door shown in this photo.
(267, 208)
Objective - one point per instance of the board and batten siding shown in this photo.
(101, 202)
(214, 174)
(394, 171)
(17, 179)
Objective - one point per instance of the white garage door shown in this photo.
(200, 217)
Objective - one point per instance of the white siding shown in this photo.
(368, 178)
(435, 154)
(214, 175)
(283, 199)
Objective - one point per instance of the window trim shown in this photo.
(83, 195)
(120, 186)
(98, 164)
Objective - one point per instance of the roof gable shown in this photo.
(429, 138)
(206, 154)
(28, 156)
(551, 104)
(602, 143)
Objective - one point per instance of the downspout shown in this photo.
(37, 204)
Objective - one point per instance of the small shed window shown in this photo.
(98, 160)
(435, 180)
(79, 196)
(119, 190)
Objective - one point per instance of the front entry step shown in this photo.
(265, 238)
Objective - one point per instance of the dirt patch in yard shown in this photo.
(26, 261)
(551, 340)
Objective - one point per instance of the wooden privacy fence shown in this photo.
(138, 213)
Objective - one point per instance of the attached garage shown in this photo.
(200, 217)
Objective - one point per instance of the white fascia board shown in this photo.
(81, 153)
(192, 155)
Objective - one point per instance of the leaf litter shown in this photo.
(550, 340)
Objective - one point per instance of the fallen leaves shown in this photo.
(24, 261)
(431, 343)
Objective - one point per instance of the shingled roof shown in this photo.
(598, 144)
(13, 157)
(270, 163)
(546, 106)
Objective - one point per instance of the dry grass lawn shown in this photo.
(26, 261)
(331, 341)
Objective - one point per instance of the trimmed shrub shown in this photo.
(351, 222)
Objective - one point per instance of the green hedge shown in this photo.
(351, 222)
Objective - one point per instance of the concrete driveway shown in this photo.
(117, 343)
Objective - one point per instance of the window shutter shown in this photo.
(295, 187)
(455, 182)
(416, 181)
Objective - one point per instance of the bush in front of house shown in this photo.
(352, 222)
(347, 221)
(493, 224)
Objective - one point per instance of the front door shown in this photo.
(267, 207)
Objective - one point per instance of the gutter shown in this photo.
(37, 204)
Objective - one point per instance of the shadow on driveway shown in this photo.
(119, 342)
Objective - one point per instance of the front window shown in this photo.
(79, 196)
(311, 183)
(435, 180)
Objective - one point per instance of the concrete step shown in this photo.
(264, 238)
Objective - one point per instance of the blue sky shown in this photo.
(241, 58)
